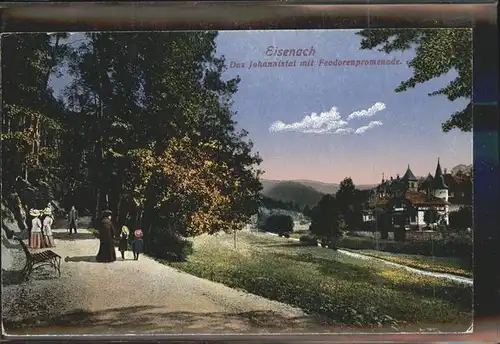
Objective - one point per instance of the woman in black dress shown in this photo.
(107, 232)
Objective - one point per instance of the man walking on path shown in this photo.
(72, 218)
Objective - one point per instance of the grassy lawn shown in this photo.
(436, 264)
(340, 289)
(296, 234)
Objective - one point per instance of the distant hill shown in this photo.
(325, 188)
(328, 188)
(302, 192)
(291, 191)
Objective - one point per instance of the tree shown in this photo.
(431, 216)
(461, 219)
(145, 128)
(384, 223)
(307, 211)
(326, 221)
(279, 224)
(350, 203)
(438, 51)
(159, 132)
(30, 114)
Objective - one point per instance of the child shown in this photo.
(123, 243)
(137, 244)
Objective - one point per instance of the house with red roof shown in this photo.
(406, 201)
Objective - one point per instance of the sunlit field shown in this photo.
(341, 290)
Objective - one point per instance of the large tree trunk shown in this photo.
(99, 144)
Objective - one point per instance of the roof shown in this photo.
(409, 176)
(414, 197)
(421, 198)
(438, 178)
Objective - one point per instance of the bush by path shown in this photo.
(165, 245)
(342, 289)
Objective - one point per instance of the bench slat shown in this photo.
(45, 255)
(38, 257)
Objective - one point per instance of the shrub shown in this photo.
(169, 245)
(461, 219)
(330, 243)
(308, 240)
(279, 224)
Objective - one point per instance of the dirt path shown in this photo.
(134, 297)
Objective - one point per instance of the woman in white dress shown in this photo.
(36, 238)
(47, 228)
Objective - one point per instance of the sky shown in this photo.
(325, 122)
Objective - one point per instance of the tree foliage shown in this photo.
(279, 224)
(30, 113)
(350, 203)
(326, 221)
(461, 219)
(271, 203)
(431, 216)
(437, 52)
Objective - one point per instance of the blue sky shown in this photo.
(273, 102)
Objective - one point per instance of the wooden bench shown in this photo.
(39, 259)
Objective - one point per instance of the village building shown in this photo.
(406, 201)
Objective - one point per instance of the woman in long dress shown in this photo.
(36, 238)
(47, 228)
(107, 253)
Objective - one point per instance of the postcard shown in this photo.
(249, 182)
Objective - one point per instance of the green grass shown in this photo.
(296, 234)
(457, 248)
(342, 289)
(449, 265)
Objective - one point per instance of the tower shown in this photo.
(410, 180)
(440, 188)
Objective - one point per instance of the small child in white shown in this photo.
(137, 244)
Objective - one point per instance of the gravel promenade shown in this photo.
(132, 297)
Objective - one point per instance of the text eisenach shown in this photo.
(275, 51)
